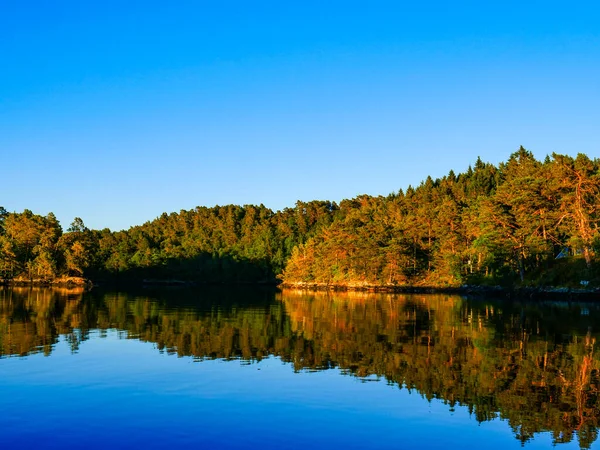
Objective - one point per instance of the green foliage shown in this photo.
(493, 225)
(29, 246)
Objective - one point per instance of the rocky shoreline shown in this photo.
(68, 282)
(533, 293)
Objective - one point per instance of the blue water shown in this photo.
(113, 390)
(122, 393)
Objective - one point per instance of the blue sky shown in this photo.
(118, 111)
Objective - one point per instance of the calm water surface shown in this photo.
(245, 368)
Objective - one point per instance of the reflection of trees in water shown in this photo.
(497, 359)
(31, 319)
(535, 365)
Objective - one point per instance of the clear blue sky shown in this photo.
(116, 111)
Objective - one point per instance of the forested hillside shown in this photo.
(525, 221)
(522, 222)
(220, 244)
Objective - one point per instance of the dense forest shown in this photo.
(523, 222)
(534, 365)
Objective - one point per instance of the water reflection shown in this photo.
(535, 365)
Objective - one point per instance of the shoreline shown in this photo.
(68, 282)
(532, 293)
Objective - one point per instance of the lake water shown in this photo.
(246, 368)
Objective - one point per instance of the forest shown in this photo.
(523, 222)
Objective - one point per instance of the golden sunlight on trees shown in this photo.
(524, 222)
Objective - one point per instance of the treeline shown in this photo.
(220, 244)
(524, 221)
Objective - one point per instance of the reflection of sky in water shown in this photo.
(124, 393)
